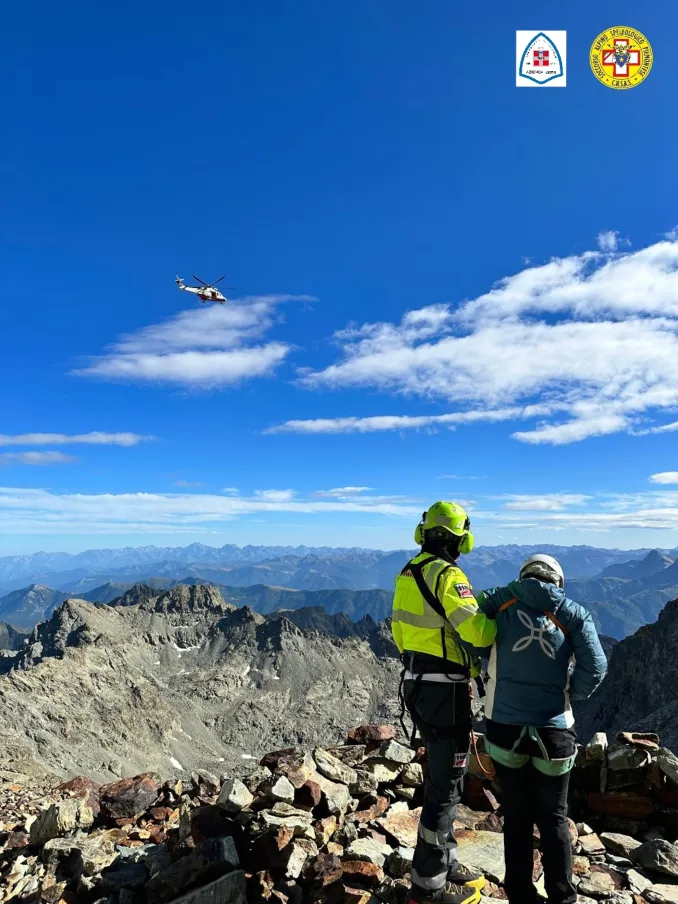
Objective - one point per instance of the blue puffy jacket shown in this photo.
(535, 669)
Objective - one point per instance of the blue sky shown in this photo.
(410, 236)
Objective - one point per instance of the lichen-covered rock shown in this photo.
(602, 881)
(397, 753)
(278, 787)
(412, 775)
(234, 796)
(333, 768)
(60, 818)
(622, 845)
(659, 856)
(368, 849)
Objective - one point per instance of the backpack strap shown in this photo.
(417, 569)
(551, 617)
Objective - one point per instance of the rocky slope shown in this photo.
(183, 680)
(639, 691)
(11, 638)
(328, 826)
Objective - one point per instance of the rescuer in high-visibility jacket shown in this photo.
(439, 631)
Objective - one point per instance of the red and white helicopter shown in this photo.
(205, 291)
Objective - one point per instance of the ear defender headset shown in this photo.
(466, 544)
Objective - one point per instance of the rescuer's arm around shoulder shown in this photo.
(463, 613)
(590, 662)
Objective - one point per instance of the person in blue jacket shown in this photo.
(547, 653)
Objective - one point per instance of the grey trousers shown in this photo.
(442, 714)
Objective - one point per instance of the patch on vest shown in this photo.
(463, 590)
(460, 760)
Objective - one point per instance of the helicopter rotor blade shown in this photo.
(200, 280)
(219, 280)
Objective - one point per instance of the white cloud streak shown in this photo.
(95, 438)
(586, 345)
(665, 477)
(382, 423)
(342, 492)
(44, 512)
(552, 502)
(207, 347)
(35, 458)
(608, 241)
(275, 495)
(41, 511)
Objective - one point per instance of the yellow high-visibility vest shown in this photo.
(417, 626)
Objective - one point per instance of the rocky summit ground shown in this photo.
(333, 825)
(181, 680)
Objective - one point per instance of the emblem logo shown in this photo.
(535, 634)
(463, 590)
(541, 59)
(621, 57)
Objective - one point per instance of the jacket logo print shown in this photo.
(535, 634)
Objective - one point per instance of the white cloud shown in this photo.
(663, 428)
(665, 477)
(200, 348)
(552, 502)
(275, 495)
(40, 511)
(387, 422)
(574, 431)
(95, 438)
(188, 483)
(588, 344)
(343, 492)
(35, 458)
(608, 241)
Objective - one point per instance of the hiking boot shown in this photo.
(466, 876)
(449, 894)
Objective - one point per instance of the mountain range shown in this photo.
(182, 680)
(625, 594)
(300, 568)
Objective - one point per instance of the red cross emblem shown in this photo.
(540, 57)
(620, 58)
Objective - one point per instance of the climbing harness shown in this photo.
(514, 760)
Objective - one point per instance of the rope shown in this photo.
(477, 756)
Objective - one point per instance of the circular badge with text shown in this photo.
(621, 57)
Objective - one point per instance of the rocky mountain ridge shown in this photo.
(25, 608)
(640, 687)
(183, 680)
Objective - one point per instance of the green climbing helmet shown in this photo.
(450, 517)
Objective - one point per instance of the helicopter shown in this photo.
(205, 291)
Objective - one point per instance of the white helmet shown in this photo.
(543, 567)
